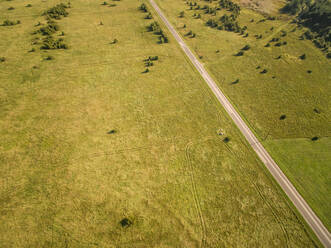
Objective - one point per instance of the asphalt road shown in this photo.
(313, 221)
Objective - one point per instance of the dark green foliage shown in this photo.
(126, 222)
(143, 8)
(113, 131)
(246, 48)
(104, 3)
(28, 5)
(240, 53)
(51, 28)
(226, 140)
(267, 45)
(10, 23)
(11, 8)
(264, 71)
(317, 111)
(49, 58)
(50, 43)
(303, 56)
(2, 59)
(235, 82)
(57, 11)
(156, 29)
(148, 16)
(282, 117)
(316, 15)
(146, 71)
(314, 138)
(309, 71)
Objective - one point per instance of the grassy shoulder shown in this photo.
(280, 93)
(97, 152)
(306, 163)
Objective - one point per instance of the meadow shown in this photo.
(98, 151)
(280, 85)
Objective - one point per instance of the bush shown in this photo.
(282, 117)
(226, 140)
(11, 8)
(240, 53)
(143, 8)
(2, 59)
(28, 5)
(50, 43)
(314, 138)
(49, 58)
(246, 48)
(10, 23)
(57, 11)
(264, 71)
(303, 56)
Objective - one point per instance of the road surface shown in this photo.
(314, 222)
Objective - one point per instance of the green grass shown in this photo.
(286, 89)
(66, 182)
(306, 163)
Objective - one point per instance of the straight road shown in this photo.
(314, 222)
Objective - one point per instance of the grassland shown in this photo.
(95, 153)
(294, 87)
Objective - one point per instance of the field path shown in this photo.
(313, 221)
(196, 195)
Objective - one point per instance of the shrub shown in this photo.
(143, 8)
(267, 45)
(104, 3)
(264, 71)
(2, 59)
(111, 131)
(282, 117)
(50, 43)
(303, 56)
(148, 16)
(9, 23)
(28, 5)
(49, 58)
(236, 81)
(309, 71)
(57, 11)
(246, 48)
(240, 53)
(315, 138)
(226, 140)
(11, 8)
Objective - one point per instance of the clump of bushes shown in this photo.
(143, 7)
(50, 43)
(10, 23)
(57, 12)
(156, 29)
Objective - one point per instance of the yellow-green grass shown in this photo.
(66, 182)
(262, 99)
(307, 164)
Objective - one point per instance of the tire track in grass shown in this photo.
(196, 195)
(258, 190)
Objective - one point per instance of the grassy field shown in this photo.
(295, 88)
(96, 153)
